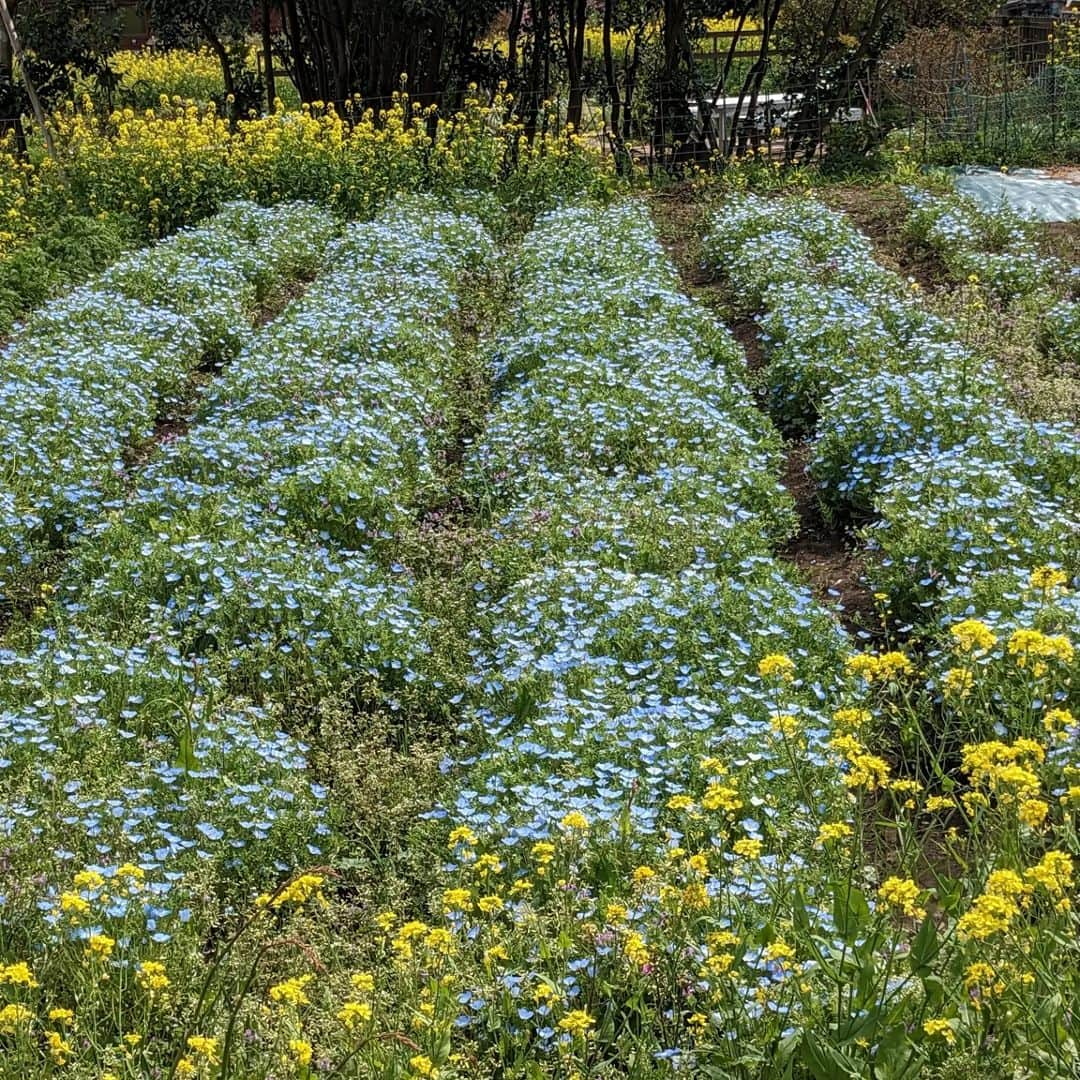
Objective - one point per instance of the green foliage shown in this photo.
(63, 253)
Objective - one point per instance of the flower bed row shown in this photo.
(964, 756)
(87, 376)
(913, 431)
(617, 838)
(998, 249)
(150, 786)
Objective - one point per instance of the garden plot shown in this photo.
(683, 827)
(87, 378)
(912, 432)
(142, 750)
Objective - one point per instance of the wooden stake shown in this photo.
(35, 102)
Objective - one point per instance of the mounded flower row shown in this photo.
(969, 504)
(912, 431)
(151, 786)
(87, 376)
(618, 835)
(999, 249)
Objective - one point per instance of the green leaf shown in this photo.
(826, 1062)
(935, 992)
(925, 947)
(850, 911)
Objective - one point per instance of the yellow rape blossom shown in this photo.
(88, 880)
(300, 891)
(13, 1017)
(957, 683)
(59, 1048)
(151, 976)
(204, 1047)
(886, 667)
(778, 667)
(1054, 872)
(832, 831)
(940, 1028)
(462, 835)
(300, 1050)
(903, 895)
(1032, 813)
(423, 1066)
(779, 952)
(578, 1023)
(291, 992)
(1031, 647)
(18, 974)
(73, 905)
(354, 1013)
(721, 797)
(973, 636)
(1047, 579)
(100, 946)
(852, 719)
(457, 900)
(635, 949)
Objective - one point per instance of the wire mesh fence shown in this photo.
(1008, 93)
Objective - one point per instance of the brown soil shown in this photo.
(879, 212)
(680, 220)
(280, 299)
(745, 332)
(831, 564)
(1068, 173)
(825, 555)
(1062, 238)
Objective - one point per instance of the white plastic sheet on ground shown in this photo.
(1031, 192)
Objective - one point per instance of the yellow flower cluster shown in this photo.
(176, 160)
(18, 974)
(1004, 769)
(884, 668)
(777, 667)
(902, 895)
(830, 832)
(993, 912)
(297, 892)
(577, 1023)
(1048, 580)
(152, 976)
(145, 77)
(291, 992)
(866, 770)
(973, 636)
(1034, 648)
(1054, 873)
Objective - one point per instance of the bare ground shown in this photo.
(828, 559)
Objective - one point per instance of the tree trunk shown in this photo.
(754, 77)
(633, 62)
(534, 90)
(268, 56)
(517, 13)
(614, 128)
(819, 109)
(672, 121)
(222, 54)
(31, 93)
(573, 26)
(299, 69)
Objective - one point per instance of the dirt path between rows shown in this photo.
(827, 557)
